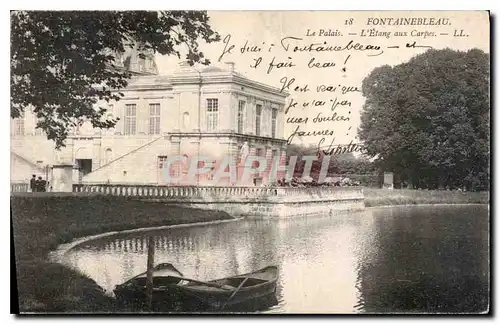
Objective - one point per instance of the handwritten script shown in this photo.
(317, 65)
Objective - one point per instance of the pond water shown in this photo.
(381, 260)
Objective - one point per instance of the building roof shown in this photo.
(187, 74)
(212, 69)
(149, 80)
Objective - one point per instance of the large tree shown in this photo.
(428, 119)
(61, 62)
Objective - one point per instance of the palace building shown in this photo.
(210, 112)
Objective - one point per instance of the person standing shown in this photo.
(40, 185)
(43, 185)
(33, 183)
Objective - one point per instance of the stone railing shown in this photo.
(19, 187)
(241, 201)
(225, 193)
(175, 191)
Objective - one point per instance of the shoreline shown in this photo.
(375, 197)
(426, 205)
(57, 256)
(45, 227)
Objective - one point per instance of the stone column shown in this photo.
(193, 152)
(266, 119)
(225, 101)
(196, 121)
(282, 174)
(280, 123)
(175, 167)
(119, 112)
(250, 116)
(177, 111)
(96, 161)
(235, 155)
(233, 112)
(249, 181)
(62, 178)
(229, 148)
(142, 116)
(269, 163)
(65, 155)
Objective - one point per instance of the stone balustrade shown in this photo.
(214, 192)
(176, 192)
(19, 187)
(241, 201)
(237, 201)
(218, 194)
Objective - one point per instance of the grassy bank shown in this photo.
(386, 197)
(40, 224)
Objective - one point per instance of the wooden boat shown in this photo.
(173, 292)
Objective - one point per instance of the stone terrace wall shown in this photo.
(243, 201)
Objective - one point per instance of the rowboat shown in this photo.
(174, 292)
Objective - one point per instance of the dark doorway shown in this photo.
(84, 166)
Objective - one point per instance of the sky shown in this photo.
(263, 28)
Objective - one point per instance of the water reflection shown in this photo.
(381, 260)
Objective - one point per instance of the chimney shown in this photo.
(230, 66)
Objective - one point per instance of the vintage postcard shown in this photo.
(263, 162)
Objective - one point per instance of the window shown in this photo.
(212, 114)
(130, 119)
(19, 125)
(154, 119)
(241, 114)
(258, 117)
(273, 122)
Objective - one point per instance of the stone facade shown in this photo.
(209, 112)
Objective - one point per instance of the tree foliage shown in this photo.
(61, 62)
(348, 164)
(428, 119)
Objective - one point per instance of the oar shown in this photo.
(202, 282)
(234, 293)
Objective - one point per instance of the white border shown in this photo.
(207, 5)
